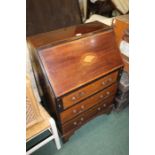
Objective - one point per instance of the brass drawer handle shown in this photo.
(74, 111)
(101, 96)
(110, 79)
(73, 98)
(104, 105)
(98, 108)
(106, 82)
(81, 94)
(75, 123)
(103, 83)
(82, 119)
(82, 107)
(108, 93)
(79, 111)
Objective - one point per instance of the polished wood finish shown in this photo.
(65, 34)
(78, 62)
(88, 90)
(86, 116)
(86, 67)
(47, 15)
(86, 104)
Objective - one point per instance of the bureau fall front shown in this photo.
(77, 70)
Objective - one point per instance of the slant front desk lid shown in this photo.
(72, 64)
(74, 32)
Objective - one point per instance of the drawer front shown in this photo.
(88, 103)
(85, 117)
(86, 91)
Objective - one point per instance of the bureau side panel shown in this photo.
(44, 88)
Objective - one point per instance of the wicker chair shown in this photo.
(38, 121)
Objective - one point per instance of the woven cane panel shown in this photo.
(31, 116)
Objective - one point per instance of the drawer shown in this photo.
(88, 90)
(105, 104)
(85, 117)
(88, 103)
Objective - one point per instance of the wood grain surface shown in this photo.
(70, 65)
(65, 34)
(88, 90)
(88, 103)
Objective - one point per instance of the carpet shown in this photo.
(104, 135)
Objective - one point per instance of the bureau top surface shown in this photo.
(65, 34)
(71, 65)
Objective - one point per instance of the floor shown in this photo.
(104, 135)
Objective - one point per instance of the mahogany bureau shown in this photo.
(77, 70)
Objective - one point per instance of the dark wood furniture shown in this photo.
(77, 69)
